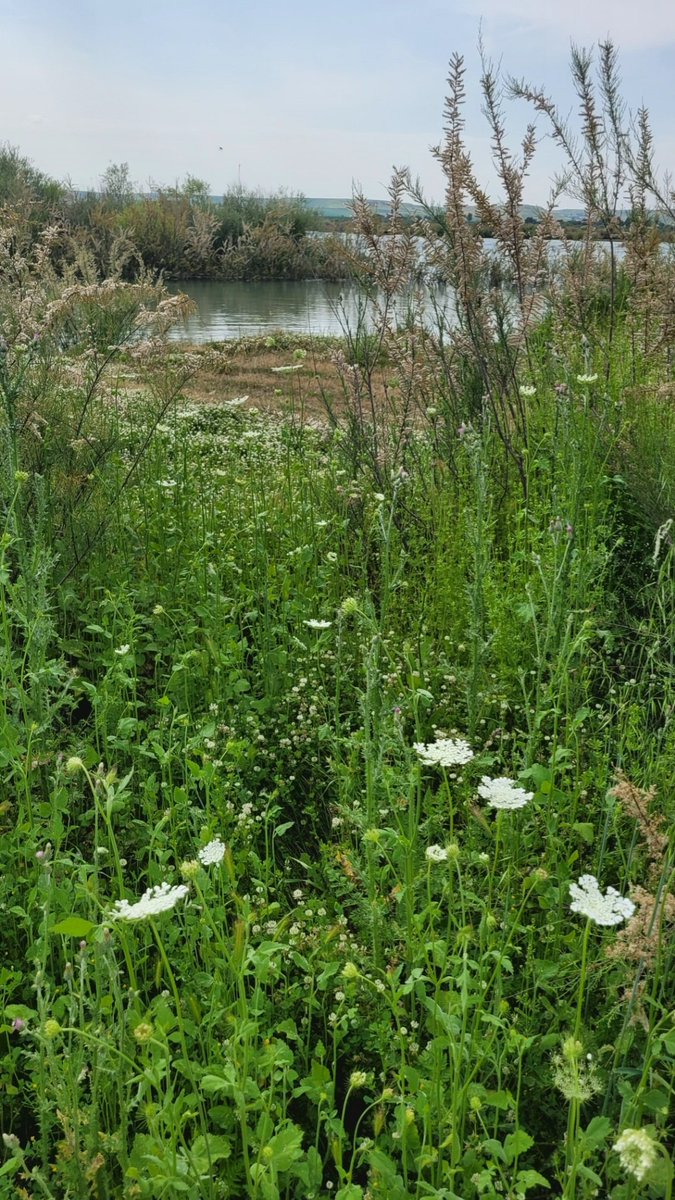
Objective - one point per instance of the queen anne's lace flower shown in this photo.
(436, 854)
(503, 793)
(444, 752)
(637, 1152)
(314, 624)
(588, 900)
(156, 900)
(212, 853)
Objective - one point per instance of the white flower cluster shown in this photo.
(212, 853)
(444, 752)
(156, 900)
(588, 901)
(436, 854)
(314, 624)
(503, 793)
(637, 1152)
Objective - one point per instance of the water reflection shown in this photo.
(227, 310)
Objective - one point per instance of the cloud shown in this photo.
(649, 24)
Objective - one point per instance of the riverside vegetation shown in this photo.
(337, 754)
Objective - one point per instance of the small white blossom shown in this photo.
(637, 1152)
(586, 378)
(156, 900)
(436, 854)
(314, 624)
(444, 752)
(502, 793)
(212, 853)
(588, 900)
(527, 390)
(123, 649)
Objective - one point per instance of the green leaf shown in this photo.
(516, 1144)
(585, 830)
(655, 1101)
(530, 1179)
(73, 927)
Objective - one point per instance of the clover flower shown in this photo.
(502, 793)
(436, 854)
(588, 900)
(212, 853)
(156, 900)
(637, 1152)
(444, 752)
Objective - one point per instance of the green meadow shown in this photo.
(338, 733)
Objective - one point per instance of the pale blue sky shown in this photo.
(308, 96)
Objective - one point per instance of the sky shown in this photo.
(315, 98)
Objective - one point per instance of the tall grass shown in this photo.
(230, 646)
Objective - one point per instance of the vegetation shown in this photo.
(180, 232)
(317, 735)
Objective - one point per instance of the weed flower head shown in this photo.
(156, 900)
(502, 793)
(588, 900)
(637, 1152)
(444, 752)
(213, 853)
(586, 378)
(436, 854)
(527, 390)
(314, 624)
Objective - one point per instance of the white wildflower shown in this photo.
(123, 649)
(238, 400)
(212, 853)
(436, 854)
(281, 370)
(637, 1152)
(314, 624)
(502, 793)
(156, 900)
(527, 390)
(166, 483)
(586, 378)
(444, 752)
(588, 900)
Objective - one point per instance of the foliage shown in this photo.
(227, 643)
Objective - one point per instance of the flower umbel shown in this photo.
(156, 900)
(444, 752)
(212, 853)
(314, 624)
(436, 854)
(637, 1152)
(588, 900)
(503, 793)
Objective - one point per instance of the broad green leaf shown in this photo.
(73, 927)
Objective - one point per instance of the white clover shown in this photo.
(156, 900)
(212, 853)
(637, 1152)
(314, 624)
(436, 854)
(502, 793)
(588, 901)
(444, 752)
